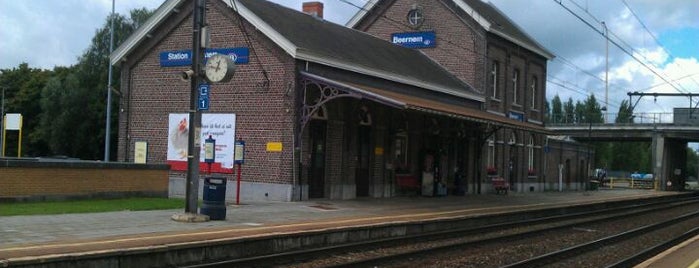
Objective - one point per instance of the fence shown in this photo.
(637, 118)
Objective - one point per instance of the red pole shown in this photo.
(237, 195)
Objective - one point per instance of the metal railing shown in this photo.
(637, 118)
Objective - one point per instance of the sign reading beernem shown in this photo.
(239, 55)
(516, 116)
(415, 39)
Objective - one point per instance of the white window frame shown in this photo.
(491, 153)
(515, 86)
(534, 86)
(495, 68)
(530, 149)
(401, 149)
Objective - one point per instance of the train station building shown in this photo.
(411, 96)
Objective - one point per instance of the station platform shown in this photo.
(27, 237)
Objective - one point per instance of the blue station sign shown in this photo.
(415, 39)
(516, 116)
(239, 55)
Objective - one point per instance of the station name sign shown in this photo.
(415, 39)
(239, 55)
(516, 116)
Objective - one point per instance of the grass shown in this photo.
(88, 206)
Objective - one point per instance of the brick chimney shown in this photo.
(313, 8)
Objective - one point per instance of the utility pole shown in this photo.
(109, 90)
(2, 125)
(606, 73)
(194, 142)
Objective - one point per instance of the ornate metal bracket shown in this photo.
(325, 94)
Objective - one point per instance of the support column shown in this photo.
(657, 155)
(379, 182)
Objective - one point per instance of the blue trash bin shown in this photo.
(214, 203)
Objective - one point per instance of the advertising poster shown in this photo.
(221, 127)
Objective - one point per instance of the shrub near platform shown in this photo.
(89, 206)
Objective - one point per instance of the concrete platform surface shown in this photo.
(27, 236)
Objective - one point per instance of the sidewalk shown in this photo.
(20, 231)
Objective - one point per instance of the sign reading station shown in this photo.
(239, 55)
(415, 39)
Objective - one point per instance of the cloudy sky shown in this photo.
(661, 34)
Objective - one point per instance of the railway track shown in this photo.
(484, 246)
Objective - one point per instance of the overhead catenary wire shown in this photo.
(561, 83)
(560, 2)
(653, 36)
(266, 84)
(469, 49)
(633, 50)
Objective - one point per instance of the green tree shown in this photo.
(22, 92)
(579, 112)
(625, 114)
(692, 162)
(556, 110)
(81, 94)
(569, 111)
(631, 156)
(592, 110)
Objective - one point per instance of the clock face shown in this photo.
(219, 68)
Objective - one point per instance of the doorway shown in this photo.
(316, 183)
(364, 160)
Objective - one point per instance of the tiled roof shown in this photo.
(333, 44)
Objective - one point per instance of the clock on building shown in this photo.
(219, 68)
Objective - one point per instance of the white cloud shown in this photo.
(47, 33)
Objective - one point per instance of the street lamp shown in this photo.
(2, 119)
(606, 71)
(108, 122)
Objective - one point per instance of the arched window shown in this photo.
(515, 86)
(535, 85)
(513, 139)
(530, 149)
(491, 152)
(494, 78)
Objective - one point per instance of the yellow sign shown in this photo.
(140, 152)
(378, 151)
(274, 146)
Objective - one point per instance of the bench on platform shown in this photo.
(500, 185)
(407, 182)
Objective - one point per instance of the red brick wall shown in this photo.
(51, 180)
(264, 113)
(460, 49)
(576, 155)
(467, 50)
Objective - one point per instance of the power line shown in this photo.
(677, 79)
(485, 56)
(578, 89)
(652, 35)
(560, 2)
(572, 65)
